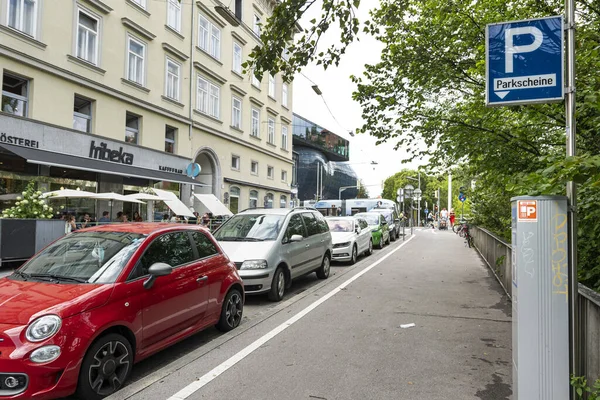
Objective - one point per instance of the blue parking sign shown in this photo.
(524, 61)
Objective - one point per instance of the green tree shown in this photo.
(363, 193)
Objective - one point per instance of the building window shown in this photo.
(256, 25)
(234, 199)
(208, 98)
(272, 86)
(284, 137)
(174, 14)
(209, 38)
(237, 58)
(235, 163)
(141, 3)
(15, 95)
(132, 128)
(254, 167)
(284, 176)
(22, 15)
(255, 123)
(270, 172)
(253, 199)
(238, 9)
(271, 131)
(255, 81)
(136, 60)
(269, 200)
(172, 85)
(236, 112)
(283, 202)
(170, 135)
(284, 94)
(87, 37)
(82, 114)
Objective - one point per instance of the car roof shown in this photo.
(340, 217)
(382, 210)
(275, 211)
(143, 228)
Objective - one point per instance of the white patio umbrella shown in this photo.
(147, 197)
(112, 196)
(67, 194)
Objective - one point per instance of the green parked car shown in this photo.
(379, 228)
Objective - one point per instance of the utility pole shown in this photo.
(572, 190)
(449, 191)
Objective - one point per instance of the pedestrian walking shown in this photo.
(452, 217)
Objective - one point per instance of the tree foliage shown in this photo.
(427, 95)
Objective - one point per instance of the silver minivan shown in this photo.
(273, 246)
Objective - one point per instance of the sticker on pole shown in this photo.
(527, 211)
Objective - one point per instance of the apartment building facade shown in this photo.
(120, 95)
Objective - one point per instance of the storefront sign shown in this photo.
(170, 169)
(19, 141)
(102, 152)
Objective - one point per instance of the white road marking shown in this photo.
(218, 370)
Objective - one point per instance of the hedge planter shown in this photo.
(22, 238)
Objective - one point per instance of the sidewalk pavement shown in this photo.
(361, 344)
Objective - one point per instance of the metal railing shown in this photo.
(498, 256)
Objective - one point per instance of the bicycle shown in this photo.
(462, 230)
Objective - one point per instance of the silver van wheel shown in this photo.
(278, 285)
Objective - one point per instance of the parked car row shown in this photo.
(80, 313)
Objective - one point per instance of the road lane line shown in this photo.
(218, 370)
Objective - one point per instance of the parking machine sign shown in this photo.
(527, 211)
(524, 61)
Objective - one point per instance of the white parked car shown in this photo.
(351, 237)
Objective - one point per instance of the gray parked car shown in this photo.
(271, 247)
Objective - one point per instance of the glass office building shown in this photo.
(321, 164)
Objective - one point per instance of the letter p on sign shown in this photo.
(527, 210)
(511, 49)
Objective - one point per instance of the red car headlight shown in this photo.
(43, 328)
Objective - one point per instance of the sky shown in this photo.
(337, 88)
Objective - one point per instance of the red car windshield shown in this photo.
(85, 257)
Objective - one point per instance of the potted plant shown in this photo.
(27, 227)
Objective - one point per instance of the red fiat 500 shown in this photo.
(79, 314)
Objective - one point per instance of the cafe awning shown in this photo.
(211, 202)
(52, 159)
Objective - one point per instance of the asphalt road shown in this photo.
(350, 337)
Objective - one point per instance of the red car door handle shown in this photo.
(202, 278)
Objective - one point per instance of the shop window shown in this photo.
(82, 114)
(253, 199)
(132, 128)
(236, 112)
(136, 60)
(172, 77)
(174, 14)
(234, 199)
(270, 172)
(269, 200)
(15, 92)
(272, 86)
(283, 202)
(22, 16)
(235, 163)
(87, 37)
(170, 134)
(254, 167)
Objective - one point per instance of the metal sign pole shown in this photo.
(572, 188)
